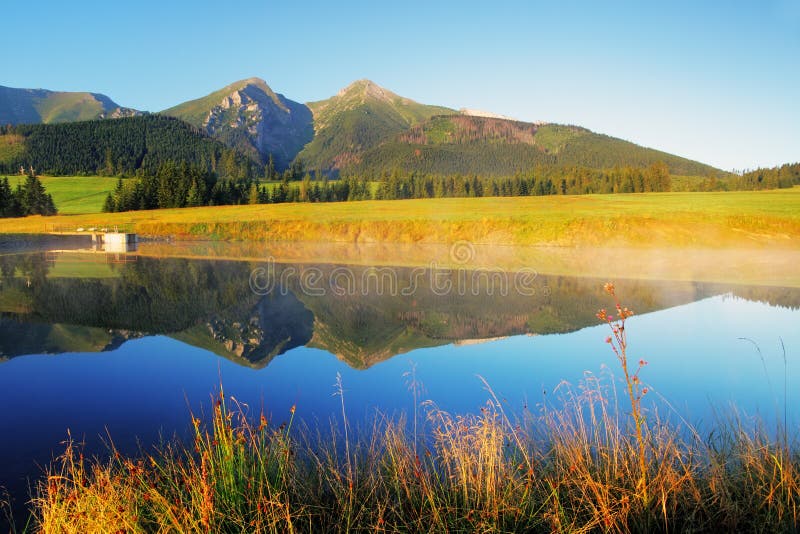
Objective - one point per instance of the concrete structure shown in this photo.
(115, 238)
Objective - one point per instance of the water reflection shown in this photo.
(78, 301)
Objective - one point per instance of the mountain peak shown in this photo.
(249, 115)
(254, 81)
(357, 117)
(359, 85)
(365, 88)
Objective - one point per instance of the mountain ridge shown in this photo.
(367, 129)
(45, 106)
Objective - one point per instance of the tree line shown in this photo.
(175, 186)
(787, 175)
(542, 181)
(183, 185)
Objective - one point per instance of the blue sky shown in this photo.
(714, 81)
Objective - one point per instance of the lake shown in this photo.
(124, 346)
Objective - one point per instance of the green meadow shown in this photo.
(76, 194)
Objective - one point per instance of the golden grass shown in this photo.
(721, 219)
(571, 469)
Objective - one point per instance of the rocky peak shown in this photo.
(120, 112)
(250, 116)
(246, 106)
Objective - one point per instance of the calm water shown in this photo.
(125, 346)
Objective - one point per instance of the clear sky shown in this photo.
(716, 81)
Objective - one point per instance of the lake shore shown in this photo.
(741, 219)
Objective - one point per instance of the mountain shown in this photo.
(367, 129)
(32, 106)
(491, 146)
(249, 116)
(364, 129)
(358, 118)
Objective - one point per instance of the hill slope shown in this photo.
(249, 116)
(493, 146)
(359, 117)
(121, 146)
(32, 106)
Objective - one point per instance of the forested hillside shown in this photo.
(360, 117)
(460, 144)
(124, 147)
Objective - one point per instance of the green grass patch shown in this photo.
(439, 130)
(76, 194)
(67, 107)
(82, 265)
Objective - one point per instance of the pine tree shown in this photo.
(6, 199)
(270, 173)
(33, 198)
(305, 188)
(108, 167)
(253, 195)
(109, 206)
(196, 193)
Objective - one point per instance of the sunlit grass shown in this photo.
(571, 469)
(724, 219)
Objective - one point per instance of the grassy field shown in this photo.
(740, 219)
(76, 194)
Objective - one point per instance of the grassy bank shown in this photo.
(724, 219)
(585, 461)
(473, 473)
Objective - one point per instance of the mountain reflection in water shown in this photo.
(53, 303)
